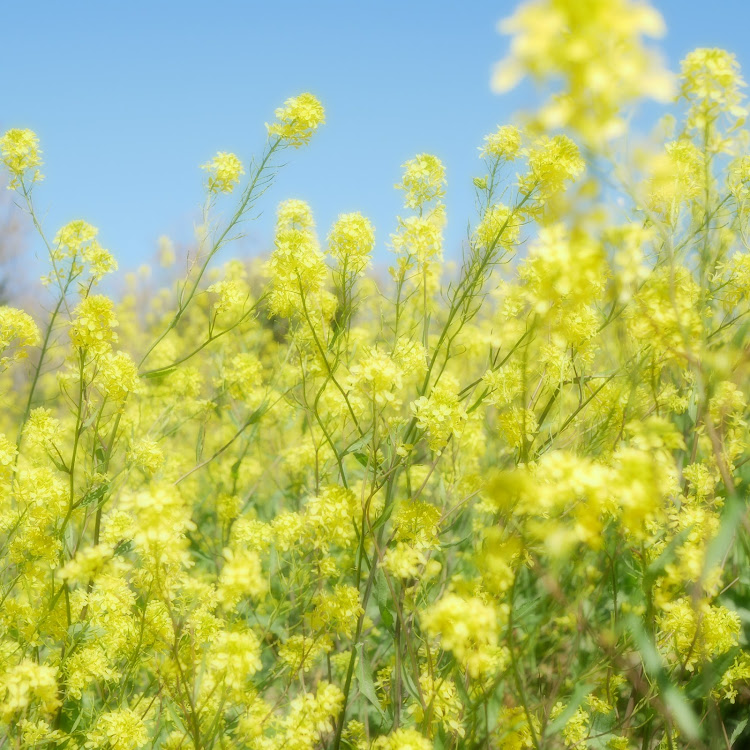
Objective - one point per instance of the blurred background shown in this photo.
(129, 99)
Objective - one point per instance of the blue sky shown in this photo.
(129, 99)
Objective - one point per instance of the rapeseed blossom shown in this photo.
(297, 503)
(21, 156)
(296, 266)
(595, 47)
(224, 172)
(17, 332)
(351, 241)
(297, 120)
(423, 180)
(504, 143)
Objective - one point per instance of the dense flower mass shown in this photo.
(423, 180)
(224, 172)
(21, 157)
(297, 120)
(595, 47)
(298, 504)
(351, 242)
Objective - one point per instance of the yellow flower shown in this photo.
(25, 685)
(711, 84)
(466, 626)
(297, 120)
(241, 576)
(17, 332)
(21, 155)
(122, 729)
(296, 266)
(403, 739)
(504, 143)
(595, 47)
(698, 632)
(441, 414)
(498, 227)
(420, 237)
(224, 172)
(147, 455)
(423, 180)
(553, 162)
(351, 241)
(337, 611)
(117, 375)
(92, 325)
(77, 240)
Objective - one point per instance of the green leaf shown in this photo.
(692, 409)
(738, 731)
(409, 683)
(460, 687)
(649, 654)
(124, 547)
(681, 711)
(440, 742)
(364, 678)
(58, 463)
(357, 445)
(722, 542)
(200, 443)
(95, 494)
(383, 598)
(88, 422)
(257, 414)
(162, 373)
(384, 516)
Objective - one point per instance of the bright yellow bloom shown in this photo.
(441, 414)
(553, 162)
(466, 626)
(77, 240)
(595, 47)
(241, 576)
(351, 241)
(296, 266)
(423, 180)
(297, 120)
(25, 686)
(420, 237)
(504, 143)
(122, 729)
(17, 332)
(305, 501)
(698, 634)
(21, 156)
(712, 85)
(92, 326)
(403, 739)
(224, 172)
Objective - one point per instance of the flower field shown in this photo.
(303, 502)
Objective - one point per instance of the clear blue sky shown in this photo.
(129, 98)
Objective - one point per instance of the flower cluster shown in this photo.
(21, 156)
(297, 120)
(224, 172)
(301, 503)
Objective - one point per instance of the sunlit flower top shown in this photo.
(423, 180)
(595, 48)
(21, 157)
(224, 172)
(297, 120)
